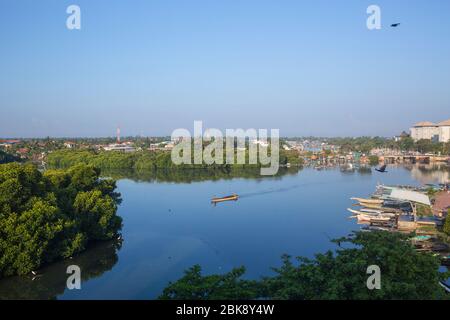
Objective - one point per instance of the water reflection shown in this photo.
(430, 173)
(195, 175)
(51, 281)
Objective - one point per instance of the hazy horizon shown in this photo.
(307, 68)
(168, 135)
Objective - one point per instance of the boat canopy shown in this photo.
(408, 195)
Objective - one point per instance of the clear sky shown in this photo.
(305, 67)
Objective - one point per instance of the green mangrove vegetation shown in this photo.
(45, 217)
(405, 274)
(149, 161)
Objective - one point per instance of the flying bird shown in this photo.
(394, 25)
(382, 168)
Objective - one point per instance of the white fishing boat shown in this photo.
(370, 201)
(371, 211)
(378, 212)
(368, 216)
(356, 212)
(370, 205)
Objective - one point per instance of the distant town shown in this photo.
(425, 142)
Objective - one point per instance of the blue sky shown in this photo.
(305, 67)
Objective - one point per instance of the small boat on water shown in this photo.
(370, 201)
(233, 197)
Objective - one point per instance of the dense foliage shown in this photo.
(53, 215)
(145, 160)
(405, 274)
(360, 144)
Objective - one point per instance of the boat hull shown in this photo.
(370, 201)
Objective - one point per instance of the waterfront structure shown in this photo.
(119, 147)
(426, 130)
(408, 195)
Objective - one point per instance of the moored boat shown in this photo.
(370, 201)
(365, 210)
(366, 216)
(381, 212)
(374, 215)
(370, 205)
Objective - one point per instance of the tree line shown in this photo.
(365, 144)
(145, 160)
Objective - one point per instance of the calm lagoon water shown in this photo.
(168, 227)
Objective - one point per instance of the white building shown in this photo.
(429, 131)
(69, 144)
(261, 143)
(119, 147)
(444, 131)
(425, 130)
